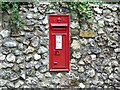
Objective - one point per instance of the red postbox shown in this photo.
(59, 47)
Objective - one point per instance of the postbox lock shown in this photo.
(57, 52)
(59, 20)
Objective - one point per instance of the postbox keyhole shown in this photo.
(57, 52)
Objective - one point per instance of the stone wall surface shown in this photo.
(94, 63)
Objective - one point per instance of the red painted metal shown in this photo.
(59, 58)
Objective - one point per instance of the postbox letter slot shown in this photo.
(59, 26)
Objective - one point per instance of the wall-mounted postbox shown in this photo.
(59, 50)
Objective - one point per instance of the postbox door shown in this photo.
(58, 51)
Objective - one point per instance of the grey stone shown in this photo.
(113, 44)
(44, 41)
(14, 76)
(83, 41)
(109, 19)
(43, 69)
(41, 17)
(55, 80)
(35, 9)
(75, 45)
(10, 84)
(29, 57)
(2, 57)
(23, 75)
(91, 73)
(16, 68)
(74, 25)
(73, 67)
(29, 35)
(117, 50)
(17, 52)
(6, 65)
(11, 58)
(106, 11)
(19, 83)
(1, 39)
(29, 23)
(20, 59)
(35, 41)
(5, 33)
(32, 81)
(45, 62)
(36, 56)
(114, 36)
(45, 21)
(30, 72)
(74, 31)
(37, 65)
(3, 82)
(9, 43)
(95, 50)
(42, 49)
(29, 50)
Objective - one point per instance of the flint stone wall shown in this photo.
(95, 62)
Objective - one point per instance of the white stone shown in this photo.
(19, 83)
(81, 69)
(91, 73)
(36, 56)
(76, 55)
(101, 23)
(73, 61)
(2, 57)
(48, 75)
(81, 85)
(100, 31)
(114, 63)
(98, 10)
(81, 62)
(30, 15)
(74, 25)
(117, 50)
(83, 41)
(75, 45)
(11, 58)
(59, 75)
(39, 75)
(3, 82)
(5, 33)
(35, 9)
(93, 57)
